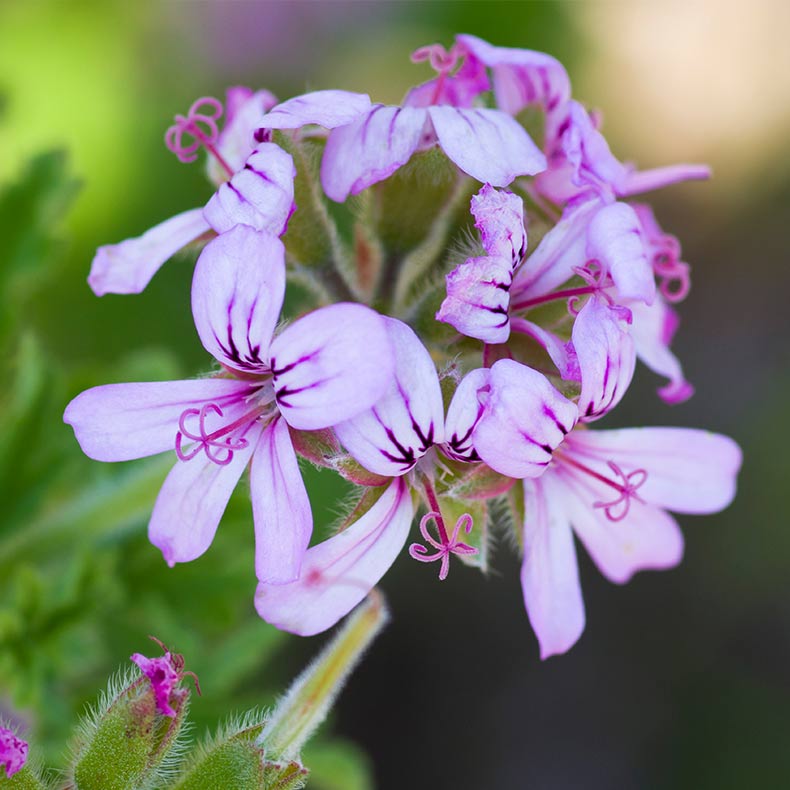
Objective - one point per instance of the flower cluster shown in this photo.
(454, 362)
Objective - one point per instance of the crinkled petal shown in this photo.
(524, 420)
(647, 539)
(614, 239)
(652, 329)
(127, 268)
(237, 294)
(478, 299)
(260, 194)
(549, 571)
(370, 149)
(688, 470)
(633, 182)
(331, 365)
(499, 216)
(13, 755)
(280, 506)
(329, 108)
(119, 422)
(487, 144)
(464, 411)
(605, 353)
(389, 438)
(338, 573)
(192, 500)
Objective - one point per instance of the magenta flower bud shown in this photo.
(13, 752)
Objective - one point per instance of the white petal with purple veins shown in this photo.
(370, 149)
(499, 216)
(237, 294)
(487, 144)
(401, 426)
(126, 268)
(338, 573)
(330, 365)
(280, 506)
(329, 108)
(464, 411)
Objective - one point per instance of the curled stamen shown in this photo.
(627, 488)
(445, 546)
(597, 279)
(200, 123)
(219, 450)
(674, 276)
(441, 60)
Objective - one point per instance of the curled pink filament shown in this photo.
(618, 508)
(200, 124)
(445, 546)
(218, 446)
(597, 279)
(440, 59)
(674, 276)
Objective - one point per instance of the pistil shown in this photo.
(202, 127)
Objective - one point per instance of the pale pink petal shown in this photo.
(487, 144)
(549, 572)
(499, 216)
(338, 573)
(615, 240)
(524, 420)
(605, 353)
(331, 365)
(13, 756)
(646, 539)
(126, 268)
(464, 411)
(477, 299)
(119, 422)
(237, 294)
(280, 507)
(389, 438)
(688, 470)
(562, 353)
(192, 500)
(260, 194)
(329, 108)
(633, 182)
(370, 149)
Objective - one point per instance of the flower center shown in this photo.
(200, 124)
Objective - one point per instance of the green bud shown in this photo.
(22, 780)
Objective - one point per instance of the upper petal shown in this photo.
(237, 294)
(330, 365)
(499, 216)
(401, 426)
(280, 507)
(370, 149)
(260, 194)
(487, 144)
(524, 420)
(329, 108)
(338, 573)
(126, 268)
(549, 571)
(119, 422)
(633, 181)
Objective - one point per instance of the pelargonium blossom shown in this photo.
(315, 373)
(13, 752)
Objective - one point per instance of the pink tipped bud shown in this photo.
(13, 752)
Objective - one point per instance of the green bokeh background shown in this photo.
(681, 679)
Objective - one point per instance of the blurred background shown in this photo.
(681, 680)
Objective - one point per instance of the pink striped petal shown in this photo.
(338, 573)
(237, 294)
(280, 506)
(331, 365)
(329, 108)
(127, 268)
(499, 216)
(549, 572)
(464, 411)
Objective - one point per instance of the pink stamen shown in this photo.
(597, 279)
(213, 443)
(445, 546)
(674, 276)
(442, 61)
(201, 125)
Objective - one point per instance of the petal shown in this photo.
(370, 149)
(338, 573)
(647, 539)
(614, 239)
(562, 354)
(237, 294)
(487, 144)
(606, 357)
(330, 365)
(688, 470)
(478, 299)
(549, 572)
(633, 182)
(524, 420)
(119, 422)
(389, 438)
(192, 500)
(499, 216)
(330, 108)
(652, 329)
(464, 411)
(260, 194)
(126, 268)
(280, 507)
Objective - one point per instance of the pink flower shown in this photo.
(323, 369)
(13, 752)
(165, 673)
